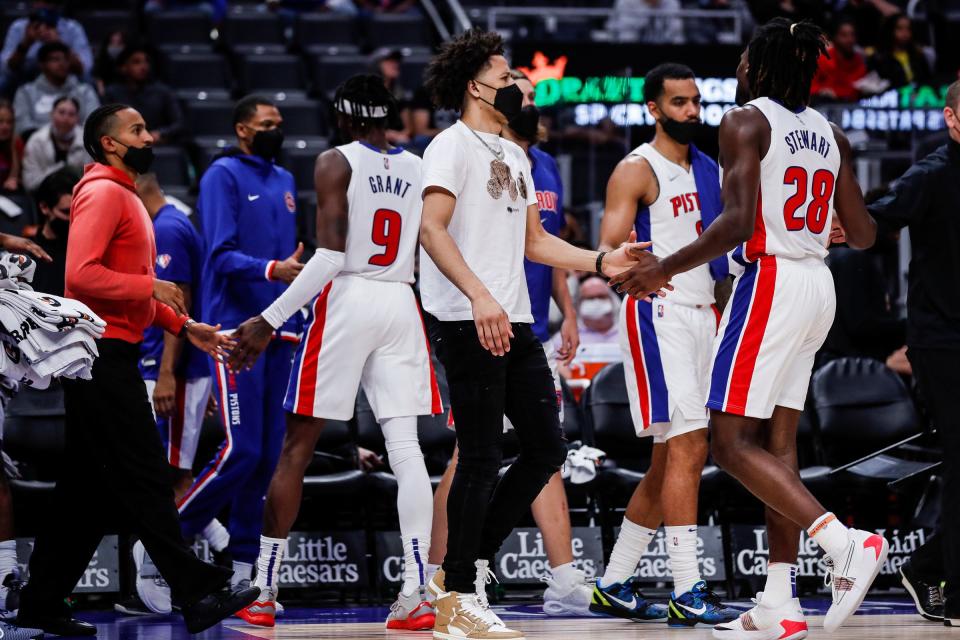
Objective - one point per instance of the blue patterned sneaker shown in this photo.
(624, 600)
(700, 604)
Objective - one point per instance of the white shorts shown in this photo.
(776, 321)
(182, 432)
(666, 361)
(550, 351)
(364, 332)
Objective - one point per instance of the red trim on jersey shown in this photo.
(757, 244)
(746, 361)
(311, 355)
(176, 423)
(436, 402)
(716, 314)
(227, 447)
(639, 368)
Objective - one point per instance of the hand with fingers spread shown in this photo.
(16, 244)
(171, 295)
(252, 338)
(205, 337)
(493, 325)
(287, 270)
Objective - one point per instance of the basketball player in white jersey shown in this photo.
(785, 171)
(666, 345)
(365, 329)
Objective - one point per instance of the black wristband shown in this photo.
(599, 265)
(186, 325)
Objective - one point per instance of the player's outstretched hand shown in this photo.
(16, 244)
(645, 277)
(205, 337)
(252, 337)
(493, 325)
(287, 270)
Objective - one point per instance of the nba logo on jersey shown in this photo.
(659, 310)
(163, 260)
(386, 163)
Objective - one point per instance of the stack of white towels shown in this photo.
(44, 336)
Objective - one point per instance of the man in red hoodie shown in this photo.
(114, 465)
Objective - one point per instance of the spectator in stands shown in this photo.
(841, 67)
(632, 21)
(386, 63)
(867, 16)
(34, 100)
(105, 70)
(25, 37)
(56, 145)
(899, 59)
(597, 308)
(54, 197)
(11, 149)
(155, 101)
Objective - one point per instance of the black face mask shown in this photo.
(139, 159)
(267, 143)
(681, 132)
(508, 100)
(526, 124)
(60, 227)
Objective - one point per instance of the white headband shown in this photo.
(362, 110)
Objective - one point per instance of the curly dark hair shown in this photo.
(458, 62)
(782, 58)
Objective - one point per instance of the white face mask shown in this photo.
(596, 308)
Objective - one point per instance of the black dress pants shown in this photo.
(481, 512)
(938, 376)
(114, 471)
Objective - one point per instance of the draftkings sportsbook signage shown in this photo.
(751, 551)
(319, 559)
(102, 574)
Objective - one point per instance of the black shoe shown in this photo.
(218, 606)
(223, 559)
(951, 614)
(58, 625)
(927, 596)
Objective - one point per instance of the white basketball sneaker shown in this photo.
(153, 590)
(785, 622)
(850, 574)
(571, 598)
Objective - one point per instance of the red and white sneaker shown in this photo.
(263, 612)
(412, 612)
(785, 622)
(851, 573)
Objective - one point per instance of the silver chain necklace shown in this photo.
(497, 153)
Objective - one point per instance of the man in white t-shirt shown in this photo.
(480, 218)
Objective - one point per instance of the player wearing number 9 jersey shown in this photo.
(364, 329)
(786, 170)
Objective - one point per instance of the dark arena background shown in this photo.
(867, 445)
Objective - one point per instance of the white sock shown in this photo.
(431, 571)
(682, 549)
(268, 562)
(216, 535)
(241, 571)
(829, 533)
(631, 544)
(8, 557)
(414, 497)
(781, 584)
(565, 573)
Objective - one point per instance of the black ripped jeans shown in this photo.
(481, 512)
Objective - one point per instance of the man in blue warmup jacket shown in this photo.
(247, 208)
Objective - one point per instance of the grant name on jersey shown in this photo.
(804, 139)
(389, 184)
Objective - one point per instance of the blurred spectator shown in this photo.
(633, 20)
(289, 9)
(867, 16)
(899, 59)
(56, 145)
(386, 63)
(216, 9)
(597, 308)
(105, 70)
(25, 37)
(425, 121)
(54, 196)
(388, 6)
(843, 65)
(35, 100)
(156, 102)
(11, 149)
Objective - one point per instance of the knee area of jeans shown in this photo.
(484, 462)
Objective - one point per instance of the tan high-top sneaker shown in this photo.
(462, 617)
(435, 587)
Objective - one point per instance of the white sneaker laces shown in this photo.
(484, 577)
(837, 582)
